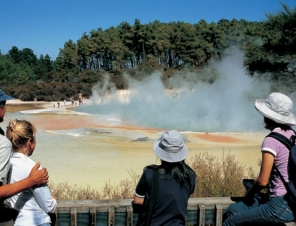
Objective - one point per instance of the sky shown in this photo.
(45, 25)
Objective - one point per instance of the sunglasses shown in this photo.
(2, 103)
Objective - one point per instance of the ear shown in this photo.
(29, 143)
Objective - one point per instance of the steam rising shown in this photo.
(226, 105)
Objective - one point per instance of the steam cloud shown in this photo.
(226, 105)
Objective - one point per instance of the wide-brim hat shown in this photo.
(170, 147)
(277, 107)
(4, 96)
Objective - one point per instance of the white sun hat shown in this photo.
(277, 107)
(170, 147)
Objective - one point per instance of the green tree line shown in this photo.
(139, 49)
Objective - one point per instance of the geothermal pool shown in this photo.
(90, 150)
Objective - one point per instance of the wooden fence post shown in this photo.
(129, 216)
(73, 217)
(93, 214)
(202, 215)
(111, 216)
(219, 212)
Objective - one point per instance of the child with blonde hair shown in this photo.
(34, 203)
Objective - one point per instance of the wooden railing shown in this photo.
(200, 211)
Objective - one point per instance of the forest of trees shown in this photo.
(140, 49)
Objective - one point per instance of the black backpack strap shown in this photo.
(153, 195)
(281, 176)
(2, 132)
(289, 143)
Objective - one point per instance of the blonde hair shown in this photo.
(19, 132)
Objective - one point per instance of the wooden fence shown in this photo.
(201, 211)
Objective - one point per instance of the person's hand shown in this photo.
(38, 177)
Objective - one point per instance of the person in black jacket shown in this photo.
(175, 182)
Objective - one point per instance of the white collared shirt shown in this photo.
(33, 203)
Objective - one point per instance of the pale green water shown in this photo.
(107, 154)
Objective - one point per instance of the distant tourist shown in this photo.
(266, 202)
(80, 100)
(162, 194)
(34, 203)
(34, 178)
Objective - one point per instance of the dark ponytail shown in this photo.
(179, 171)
